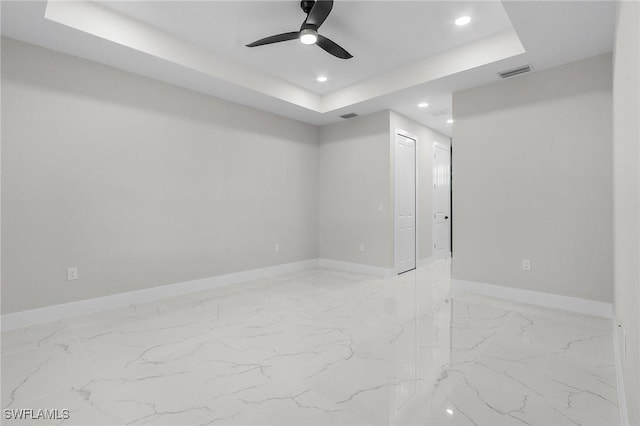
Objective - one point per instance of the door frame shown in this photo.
(396, 236)
(447, 149)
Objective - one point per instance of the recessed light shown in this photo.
(423, 105)
(322, 79)
(450, 411)
(463, 20)
(449, 121)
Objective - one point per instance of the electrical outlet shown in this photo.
(380, 207)
(72, 273)
(276, 247)
(526, 265)
(361, 247)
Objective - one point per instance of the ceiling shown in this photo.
(405, 52)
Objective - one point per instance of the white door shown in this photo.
(441, 201)
(405, 203)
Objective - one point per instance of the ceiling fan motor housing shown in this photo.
(307, 5)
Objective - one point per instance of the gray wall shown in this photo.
(424, 173)
(626, 148)
(354, 178)
(140, 184)
(532, 162)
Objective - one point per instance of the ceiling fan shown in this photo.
(317, 12)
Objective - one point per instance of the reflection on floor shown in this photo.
(318, 347)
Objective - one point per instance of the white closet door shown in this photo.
(405, 205)
(441, 201)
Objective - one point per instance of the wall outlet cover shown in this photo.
(72, 273)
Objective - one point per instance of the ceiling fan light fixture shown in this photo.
(463, 20)
(308, 36)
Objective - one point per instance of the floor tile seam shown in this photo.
(96, 373)
(98, 378)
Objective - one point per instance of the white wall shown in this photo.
(140, 184)
(357, 174)
(354, 177)
(532, 167)
(424, 177)
(626, 148)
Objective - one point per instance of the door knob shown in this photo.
(446, 217)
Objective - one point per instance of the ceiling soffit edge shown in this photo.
(128, 32)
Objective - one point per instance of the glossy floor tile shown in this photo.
(319, 347)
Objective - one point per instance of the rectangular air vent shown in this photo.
(515, 71)
(350, 115)
(442, 112)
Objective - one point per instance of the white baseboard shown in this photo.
(622, 400)
(81, 307)
(548, 300)
(355, 267)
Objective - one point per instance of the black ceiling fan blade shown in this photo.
(275, 39)
(319, 13)
(333, 48)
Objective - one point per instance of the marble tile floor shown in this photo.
(319, 347)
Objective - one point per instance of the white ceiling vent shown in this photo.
(440, 112)
(510, 73)
(349, 115)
